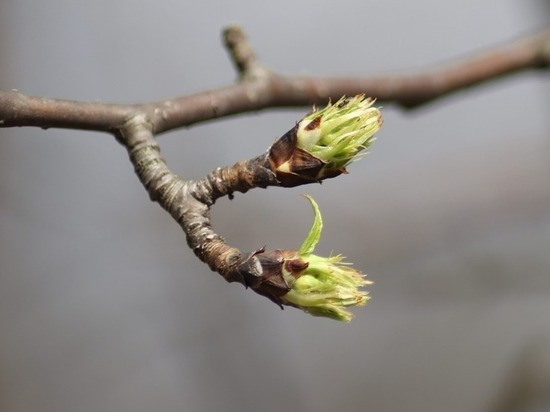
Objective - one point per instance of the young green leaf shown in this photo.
(314, 233)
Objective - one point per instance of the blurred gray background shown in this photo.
(104, 308)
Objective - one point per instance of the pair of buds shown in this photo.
(320, 146)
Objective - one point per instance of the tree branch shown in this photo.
(288, 162)
(260, 88)
(16, 109)
(268, 89)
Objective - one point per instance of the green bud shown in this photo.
(323, 143)
(322, 286)
(337, 133)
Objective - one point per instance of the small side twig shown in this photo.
(242, 54)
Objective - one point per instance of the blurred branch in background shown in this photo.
(527, 382)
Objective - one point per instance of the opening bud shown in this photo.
(321, 286)
(337, 133)
(325, 141)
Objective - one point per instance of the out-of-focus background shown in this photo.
(104, 308)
